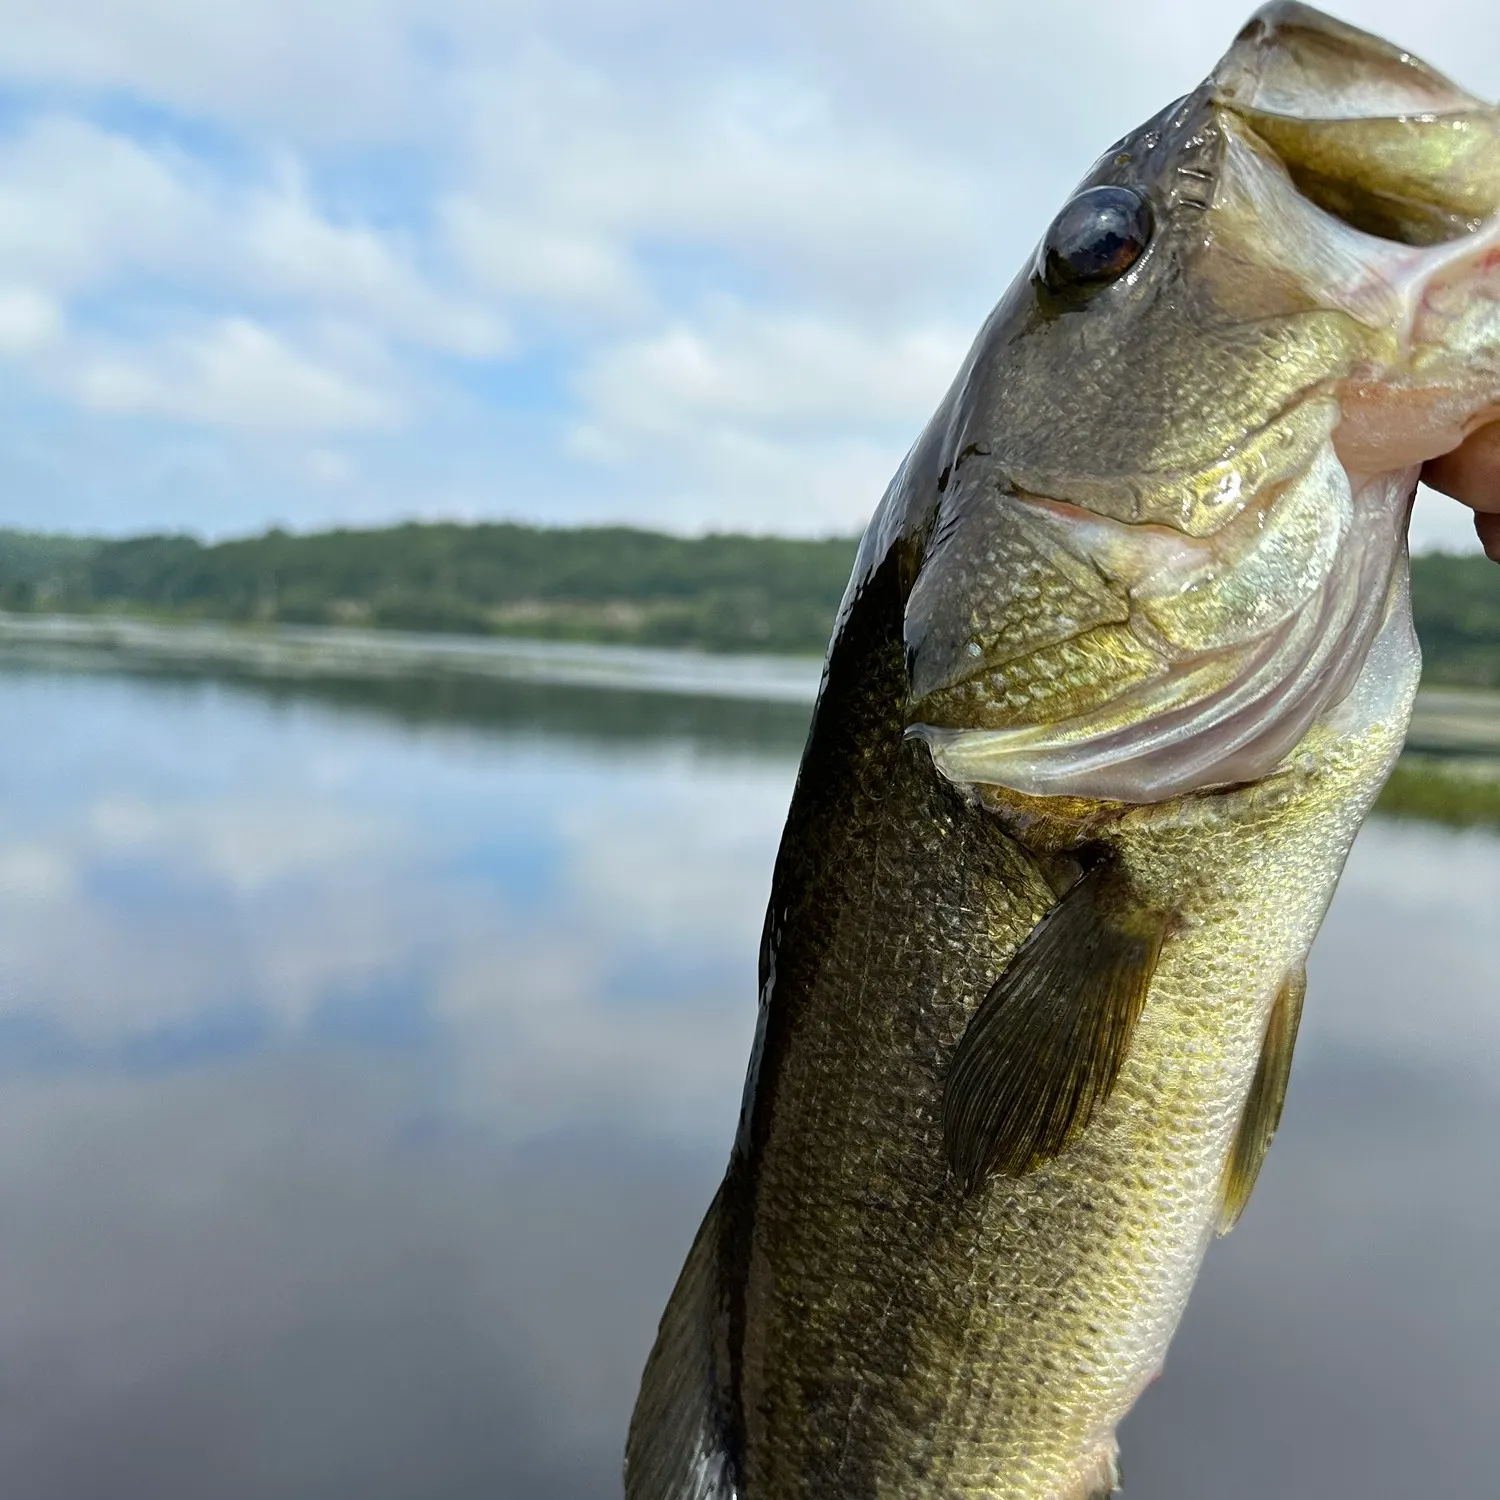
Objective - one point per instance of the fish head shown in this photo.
(1175, 472)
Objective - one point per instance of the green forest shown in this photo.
(722, 593)
(618, 584)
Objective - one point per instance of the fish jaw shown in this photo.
(1214, 633)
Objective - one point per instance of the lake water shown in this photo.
(370, 1050)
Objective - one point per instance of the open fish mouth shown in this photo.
(1355, 196)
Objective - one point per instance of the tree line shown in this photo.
(608, 583)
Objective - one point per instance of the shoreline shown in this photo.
(1450, 772)
(331, 650)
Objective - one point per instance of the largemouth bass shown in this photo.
(1125, 659)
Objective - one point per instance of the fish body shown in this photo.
(1125, 659)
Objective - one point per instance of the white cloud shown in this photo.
(264, 933)
(329, 467)
(313, 310)
(343, 70)
(736, 250)
(685, 860)
(567, 269)
(233, 374)
(581, 172)
(83, 209)
(78, 203)
(287, 248)
(610, 981)
(677, 867)
(789, 372)
(29, 321)
(537, 1052)
(793, 421)
(245, 846)
(35, 873)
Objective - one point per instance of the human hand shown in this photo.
(1471, 474)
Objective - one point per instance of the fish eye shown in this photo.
(1097, 237)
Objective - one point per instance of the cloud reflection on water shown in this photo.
(367, 1066)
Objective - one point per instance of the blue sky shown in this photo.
(689, 265)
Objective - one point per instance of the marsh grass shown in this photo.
(1464, 793)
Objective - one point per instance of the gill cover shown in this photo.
(1133, 664)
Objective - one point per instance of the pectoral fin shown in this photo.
(678, 1445)
(1267, 1095)
(1046, 1044)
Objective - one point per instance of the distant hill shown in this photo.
(720, 593)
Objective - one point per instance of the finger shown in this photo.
(1471, 473)
(1487, 524)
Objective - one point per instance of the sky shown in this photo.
(698, 266)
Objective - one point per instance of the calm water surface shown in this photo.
(370, 1051)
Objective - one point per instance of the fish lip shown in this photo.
(1325, 98)
(1246, 111)
(1289, 55)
